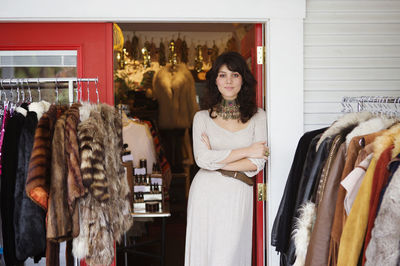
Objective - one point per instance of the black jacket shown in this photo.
(280, 235)
(30, 234)
(8, 176)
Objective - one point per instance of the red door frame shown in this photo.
(93, 42)
(249, 45)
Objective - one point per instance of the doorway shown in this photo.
(133, 81)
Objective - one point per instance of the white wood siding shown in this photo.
(351, 48)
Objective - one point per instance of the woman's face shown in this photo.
(228, 83)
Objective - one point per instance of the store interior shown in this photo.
(160, 76)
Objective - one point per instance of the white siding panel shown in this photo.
(352, 51)
(346, 63)
(345, 40)
(356, 28)
(349, 85)
(352, 74)
(352, 6)
(351, 48)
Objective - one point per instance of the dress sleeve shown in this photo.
(260, 134)
(205, 158)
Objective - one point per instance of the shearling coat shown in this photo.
(30, 235)
(8, 178)
(103, 222)
(176, 96)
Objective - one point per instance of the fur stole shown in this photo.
(370, 126)
(344, 122)
(74, 178)
(38, 180)
(302, 231)
(383, 248)
(102, 223)
(385, 140)
(39, 108)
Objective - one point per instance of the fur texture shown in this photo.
(92, 157)
(302, 232)
(102, 223)
(385, 140)
(383, 248)
(74, 178)
(38, 180)
(344, 122)
(176, 95)
(370, 126)
(396, 149)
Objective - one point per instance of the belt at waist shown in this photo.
(237, 175)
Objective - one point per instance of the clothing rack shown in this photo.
(36, 82)
(384, 105)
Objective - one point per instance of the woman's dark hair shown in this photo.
(247, 94)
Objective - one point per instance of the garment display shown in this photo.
(218, 200)
(330, 228)
(42, 183)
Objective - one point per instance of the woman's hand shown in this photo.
(258, 150)
(205, 140)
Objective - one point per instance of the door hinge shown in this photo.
(260, 54)
(262, 192)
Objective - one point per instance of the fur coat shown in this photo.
(30, 235)
(74, 179)
(176, 96)
(38, 179)
(8, 177)
(383, 247)
(102, 223)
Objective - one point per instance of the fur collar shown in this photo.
(396, 149)
(170, 80)
(302, 232)
(344, 122)
(370, 126)
(385, 140)
(21, 110)
(39, 108)
(85, 109)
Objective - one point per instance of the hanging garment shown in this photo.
(356, 224)
(8, 179)
(383, 246)
(307, 184)
(317, 252)
(339, 218)
(280, 234)
(162, 160)
(352, 183)
(102, 223)
(30, 235)
(140, 143)
(381, 176)
(176, 96)
(220, 208)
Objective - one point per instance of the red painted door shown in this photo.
(249, 44)
(92, 41)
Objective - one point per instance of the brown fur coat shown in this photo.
(101, 222)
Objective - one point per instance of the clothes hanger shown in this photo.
(56, 84)
(88, 91)
(39, 92)
(97, 91)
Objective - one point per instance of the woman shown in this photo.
(229, 146)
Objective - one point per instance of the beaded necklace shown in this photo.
(228, 109)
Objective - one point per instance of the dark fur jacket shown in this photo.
(105, 210)
(30, 235)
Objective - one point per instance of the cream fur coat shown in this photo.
(176, 96)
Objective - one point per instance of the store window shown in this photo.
(23, 64)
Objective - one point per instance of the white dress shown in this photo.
(220, 208)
